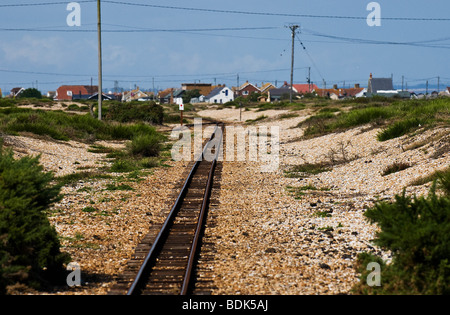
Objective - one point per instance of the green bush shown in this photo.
(31, 93)
(29, 246)
(417, 232)
(363, 116)
(146, 145)
(400, 128)
(135, 111)
(63, 126)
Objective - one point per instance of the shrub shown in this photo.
(363, 116)
(29, 246)
(62, 126)
(417, 232)
(124, 166)
(147, 145)
(400, 128)
(135, 111)
(396, 167)
(31, 93)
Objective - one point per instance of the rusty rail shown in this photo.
(151, 257)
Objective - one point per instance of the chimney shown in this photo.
(335, 86)
(357, 86)
(371, 76)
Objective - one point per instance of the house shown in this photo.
(171, 96)
(379, 84)
(75, 92)
(304, 88)
(278, 94)
(178, 96)
(196, 100)
(265, 87)
(384, 87)
(51, 94)
(246, 89)
(105, 97)
(339, 93)
(165, 96)
(134, 95)
(203, 88)
(15, 92)
(220, 95)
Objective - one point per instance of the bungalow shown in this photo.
(337, 93)
(105, 97)
(384, 87)
(220, 95)
(51, 94)
(246, 89)
(178, 96)
(377, 85)
(304, 88)
(266, 87)
(166, 96)
(278, 94)
(15, 92)
(203, 88)
(72, 92)
(133, 95)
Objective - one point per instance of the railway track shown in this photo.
(165, 264)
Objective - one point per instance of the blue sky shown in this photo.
(37, 47)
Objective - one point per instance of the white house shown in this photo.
(220, 95)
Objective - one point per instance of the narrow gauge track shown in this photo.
(168, 267)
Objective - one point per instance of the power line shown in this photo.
(13, 5)
(341, 17)
(377, 42)
(311, 59)
(136, 30)
(270, 13)
(149, 76)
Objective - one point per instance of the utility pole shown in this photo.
(100, 76)
(403, 82)
(293, 29)
(309, 79)
(153, 88)
(439, 84)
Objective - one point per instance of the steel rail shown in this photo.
(202, 217)
(159, 240)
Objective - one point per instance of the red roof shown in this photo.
(305, 88)
(65, 92)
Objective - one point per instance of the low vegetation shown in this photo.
(417, 233)
(397, 117)
(30, 255)
(29, 246)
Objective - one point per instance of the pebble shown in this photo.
(265, 240)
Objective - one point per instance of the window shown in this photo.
(226, 92)
(245, 93)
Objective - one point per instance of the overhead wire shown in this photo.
(241, 12)
(270, 13)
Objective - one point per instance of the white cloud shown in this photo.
(50, 51)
